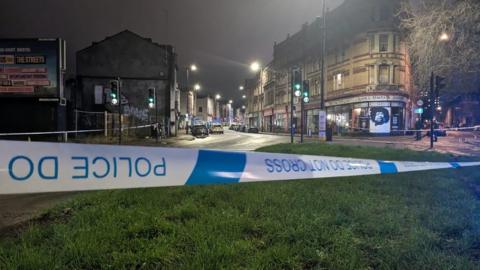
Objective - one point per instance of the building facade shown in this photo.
(367, 73)
(205, 111)
(139, 64)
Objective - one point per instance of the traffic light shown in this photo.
(151, 98)
(306, 91)
(297, 82)
(114, 92)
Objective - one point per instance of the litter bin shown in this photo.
(329, 134)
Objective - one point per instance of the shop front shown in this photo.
(374, 114)
(268, 120)
(280, 120)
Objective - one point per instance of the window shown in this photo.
(396, 75)
(384, 74)
(200, 109)
(372, 43)
(396, 43)
(383, 43)
(337, 81)
(316, 88)
(371, 74)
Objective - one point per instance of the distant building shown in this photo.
(140, 64)
(367, 73)
(186, 107)
(205, 109)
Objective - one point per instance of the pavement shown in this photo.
(16, 209)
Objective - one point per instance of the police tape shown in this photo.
(34, 167)
(472, 128)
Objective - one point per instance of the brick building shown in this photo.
(367, 73)
(140, 64)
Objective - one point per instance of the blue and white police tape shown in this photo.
(32, 167)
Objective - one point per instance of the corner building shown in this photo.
(367, 72)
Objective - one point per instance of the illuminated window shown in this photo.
(337, 81)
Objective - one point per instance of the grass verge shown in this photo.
(425, 220)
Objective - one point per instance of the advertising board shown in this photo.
(31, 67)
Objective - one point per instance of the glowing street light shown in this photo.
(255, 66)
(244, 96)
(217, 97)
(230, 101)
(243, 107)
(197, 87)
(444, 37)
(193, 67)
(241, 87)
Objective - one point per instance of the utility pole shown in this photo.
(302, 111)
(291, 110)
(324, 53)
(432, 110)
(119, 110)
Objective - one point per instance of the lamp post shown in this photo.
(444, 37)
(196, 88)
(188, 69)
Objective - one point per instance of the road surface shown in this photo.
(233, 140)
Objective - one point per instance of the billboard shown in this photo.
(31, 67)
(380, 119)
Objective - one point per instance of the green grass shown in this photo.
(427, 220)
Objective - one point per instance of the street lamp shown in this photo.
(197, 87)
(193, 67)
(255, 66)
(241, 87)
(217, 97)
(230, 101)
(444, 37)
(244, 96)
(243, 107)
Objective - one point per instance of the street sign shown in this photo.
(419, 110)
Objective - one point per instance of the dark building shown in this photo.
(140, 64)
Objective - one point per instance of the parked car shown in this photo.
(253, 130)
(216, 129)
(233, 127)
(242, 128)
(200, 131)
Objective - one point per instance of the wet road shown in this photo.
(232, 140)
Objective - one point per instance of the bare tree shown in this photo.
(443, 37)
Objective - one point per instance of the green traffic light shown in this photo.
(297, 86)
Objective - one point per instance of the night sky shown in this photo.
(220, 36)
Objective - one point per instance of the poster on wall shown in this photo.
(322, 124)
(380, 118)
(29, 67)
